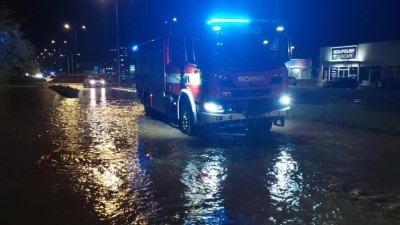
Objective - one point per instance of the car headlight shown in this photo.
(103, 81)
(213, 107)
(285, 100)
(92, 82)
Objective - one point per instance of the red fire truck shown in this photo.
(227, 72)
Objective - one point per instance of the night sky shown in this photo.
(311, 23)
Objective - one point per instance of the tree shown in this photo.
(16, 53)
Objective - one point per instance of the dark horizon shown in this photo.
(311, 24)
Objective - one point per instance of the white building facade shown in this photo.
(300, 68)
(368, 63)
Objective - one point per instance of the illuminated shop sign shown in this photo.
(344, 53)
(132, 68)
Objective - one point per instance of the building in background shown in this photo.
(125, 62)
(124, 65)
(367, 63)
(300, 68)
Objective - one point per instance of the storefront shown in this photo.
(300, 68)
(367, 63)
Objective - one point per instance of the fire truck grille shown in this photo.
(251, 93)
(254, 106)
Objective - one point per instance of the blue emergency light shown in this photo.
(227, 20)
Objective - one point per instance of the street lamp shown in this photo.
(66, 56)
(290, 47)
(72, 61)
(291, 51)
(118, 56)
(118, 48)
(68, 27)
(173, 20)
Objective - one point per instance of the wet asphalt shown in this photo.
(96, 159)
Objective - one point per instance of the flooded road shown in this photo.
(97, 159)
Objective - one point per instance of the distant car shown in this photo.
(342, 83)
(389, 83)
(292, 81)
(94, 81)
(52, 75)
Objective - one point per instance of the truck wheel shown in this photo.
(186, 122)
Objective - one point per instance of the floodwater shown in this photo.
(97, 159)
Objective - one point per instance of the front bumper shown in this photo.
(95, 85)
(210, 118)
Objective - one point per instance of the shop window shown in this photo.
(343, 72)
(333, 73)
(353, 72)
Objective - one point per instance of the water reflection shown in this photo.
(295, 197)
(299, 177)
(94, 99)
(203, 178)
(285, 186)
(287, 180)
(99, 161)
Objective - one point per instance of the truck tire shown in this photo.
(186, 123)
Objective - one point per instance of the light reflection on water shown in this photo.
(203, 177)
(100, 161)
(293, 200)
(285, 188)
(224, 180)
(94, 99)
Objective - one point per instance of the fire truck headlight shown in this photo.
(212, 107)
(285, 100)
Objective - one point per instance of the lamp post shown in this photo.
(68, 27)
(173, 20)
(290, 47)
(118, 56)
(72, 60)
(66, 56)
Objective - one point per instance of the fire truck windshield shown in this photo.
(244, 47)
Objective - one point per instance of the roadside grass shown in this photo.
(350, 115)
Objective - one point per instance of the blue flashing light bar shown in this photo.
(226, 20)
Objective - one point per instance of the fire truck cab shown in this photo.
(221, 73)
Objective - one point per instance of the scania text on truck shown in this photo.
(227, 72)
